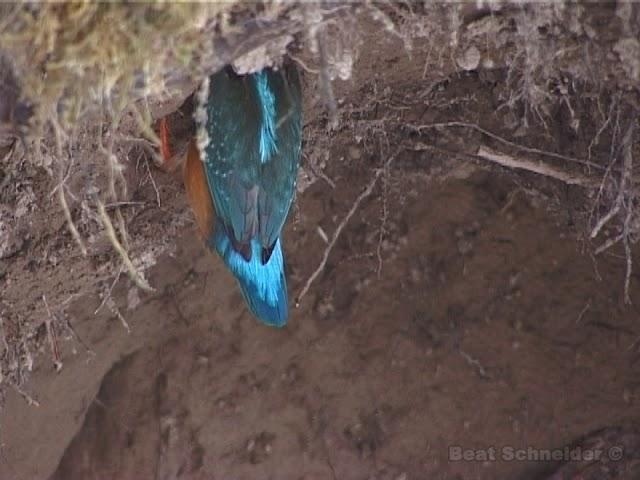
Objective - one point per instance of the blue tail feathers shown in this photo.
(263, 286)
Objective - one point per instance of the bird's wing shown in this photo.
(278, 175)
(230, 162)
(252, 196)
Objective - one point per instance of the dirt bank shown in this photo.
(463, 303)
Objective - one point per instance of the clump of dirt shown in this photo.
(461, 247)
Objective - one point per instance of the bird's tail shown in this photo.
(263, 285)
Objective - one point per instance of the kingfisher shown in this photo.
(240, 176)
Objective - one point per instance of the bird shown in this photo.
(240, 175)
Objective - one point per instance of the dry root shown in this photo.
(625, 203)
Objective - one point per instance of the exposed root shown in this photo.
(78, 338)
(115, 169)
(627, 253)
(384, 218)
(135, 276)
(58, 135)
(479, 129)
(109, 302)
(107, 293)
(303, 65)
(72, 227)
(625, 201)
(536, 167)
(111, 305)
(624, 180)
(609, 243)
(605, 124)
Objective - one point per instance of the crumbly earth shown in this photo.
(462, 304)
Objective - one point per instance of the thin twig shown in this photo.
(475, 363)
(304, 66)
(322, 234)
(583, 311)
(336, 234)
(153, 182)
(318, 172)
(28, 398)
(627, 252)
(606, 218)
(109, 290)
(383, 222)
(116, 311)
(51, 334)
(78, 338)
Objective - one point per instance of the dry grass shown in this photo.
(72, 56)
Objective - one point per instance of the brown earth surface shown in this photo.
(462, 305)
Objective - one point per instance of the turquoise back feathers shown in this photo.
(250, 138)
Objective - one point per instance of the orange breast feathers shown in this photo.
(198, 193)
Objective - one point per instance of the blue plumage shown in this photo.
(264, 286)
(268, 128)
(250, 136)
